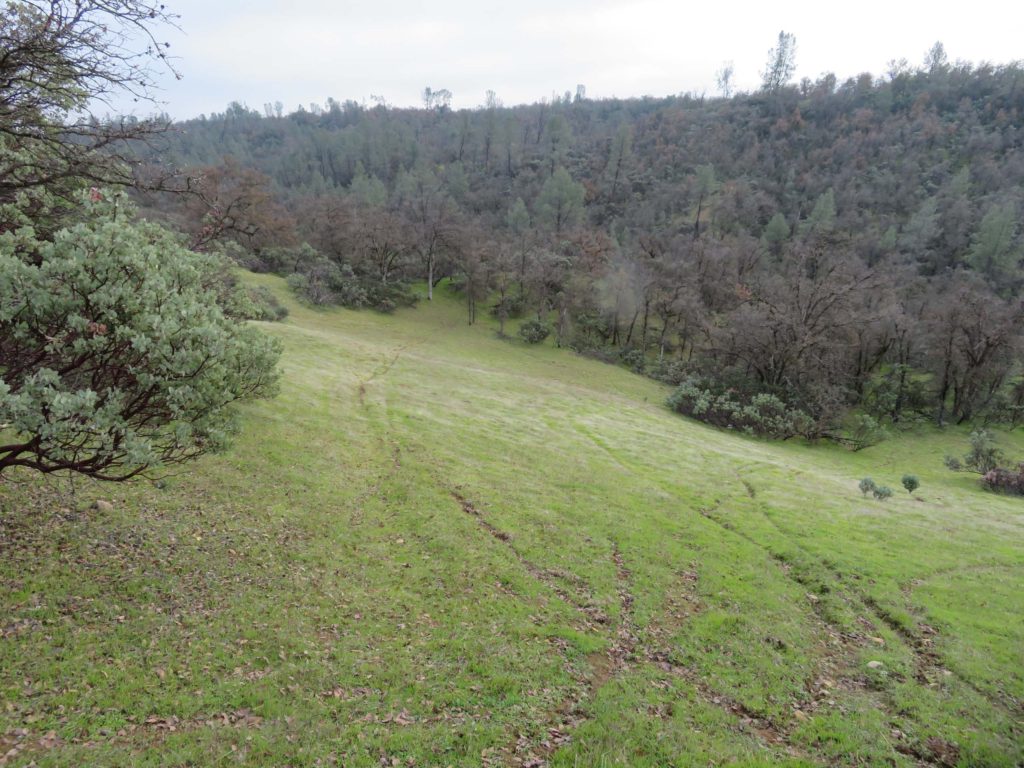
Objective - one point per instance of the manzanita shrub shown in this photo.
(759, 414)
(115, 353)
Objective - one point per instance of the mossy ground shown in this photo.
(437, 548)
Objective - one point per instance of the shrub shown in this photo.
(1002, 480)
(758, 414)
(323, 282)
(867, 485)
(592, 334)
(984, 456)
(513, 305)
(534, 331)
(604, 354)
(370, 292)
(116, 354)
(882, 492)
(240, 302)
(635, 360)
(865, 431)
(299, 285)
(255, 303)
(669, 371)
(911, 483)
(894, 394)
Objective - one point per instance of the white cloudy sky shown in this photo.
(298, 51)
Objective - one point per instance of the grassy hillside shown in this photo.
(436, 548)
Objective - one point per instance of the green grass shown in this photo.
(437, 548)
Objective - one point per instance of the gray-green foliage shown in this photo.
(619, 156)
(882, 492)
(823, 216)
(368, 190)
(867, 485)
(707, 181)
(558, 136)
(911, 483)
(518, 218)
(776, 232)
(984, 455)
(534, 331)
(761, 413)
(992, 249)
(864, 431)
(560, 202)
(921, 230)
(116, 356)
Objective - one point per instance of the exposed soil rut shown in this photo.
(837, 661)
(379, 371)
(602, 666)
(625, 651)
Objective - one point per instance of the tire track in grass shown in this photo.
(927, 662)
(548, 577)
(380, 371)
(628, 647)
(603, 666)
(770, 733)
(626, 650)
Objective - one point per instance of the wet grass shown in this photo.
(438, 548)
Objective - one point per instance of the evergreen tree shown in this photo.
(560, 203)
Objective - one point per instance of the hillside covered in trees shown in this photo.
(790, 257)
(401, 541)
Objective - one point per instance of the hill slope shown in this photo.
(435, 548)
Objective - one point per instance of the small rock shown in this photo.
(875, 665)
(102, 506)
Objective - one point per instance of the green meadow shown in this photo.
(439, 548)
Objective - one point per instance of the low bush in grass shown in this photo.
(534, 331)
(882, 492)
(757, 414)
(1003, 480)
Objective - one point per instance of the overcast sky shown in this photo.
(300, 51)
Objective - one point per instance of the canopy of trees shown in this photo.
(839, 246)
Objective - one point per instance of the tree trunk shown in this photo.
(643, 332)
(632, 324)
(430, 277)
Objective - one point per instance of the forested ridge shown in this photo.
(792, 256)
(402, 541)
